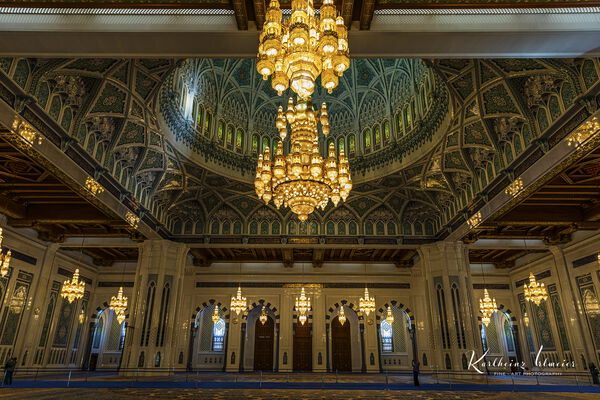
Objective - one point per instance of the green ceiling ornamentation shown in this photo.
(471, 120)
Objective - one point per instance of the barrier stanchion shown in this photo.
(69, 379)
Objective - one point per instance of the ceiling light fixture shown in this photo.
(535, 291)
(73, 289)
(302, 180)
(263, 315)
(342, 315)
(296, 51)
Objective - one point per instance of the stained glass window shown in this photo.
(386, 337)
(239, 139)
(377, 136)
(386, 131)
(220, 131)
(367, 139)
(255, 143)
(207, 123)
(218, 335)
(351, 144)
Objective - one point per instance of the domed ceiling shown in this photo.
(429, 137)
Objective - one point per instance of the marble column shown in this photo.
(286, 338)
(153, 338)
(448, 277)
(319, 332)
(43, 282)
(579, 337)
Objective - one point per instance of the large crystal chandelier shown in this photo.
(73, 289)
(238, 303)
(296, 51)
(366, 305)
(215, 315)
(302, 180)
(488, 307)
(119, 304)
(342, 316)
(302, 306)
(4, 258)
(535, 291)
(389, 317)
(263, 315)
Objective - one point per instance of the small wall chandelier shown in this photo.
(535, 291)
(488, 307)
(389, 317)
(302, 306)
(342, 316)
(73, 289)
(263, 316)
(238, 303)
(302, 180)
(296, 51)
(366, 305)
(119, 305)
(4, 258)
(215, 315)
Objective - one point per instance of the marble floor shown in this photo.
(275, 394)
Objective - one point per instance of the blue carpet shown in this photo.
(304, 385)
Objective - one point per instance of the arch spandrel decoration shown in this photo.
(492, 112)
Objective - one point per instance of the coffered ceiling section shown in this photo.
(427, 139)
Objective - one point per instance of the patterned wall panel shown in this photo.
(589, 298)
(13, 311)
(560, 320)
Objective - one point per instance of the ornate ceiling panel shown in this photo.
(412, 184)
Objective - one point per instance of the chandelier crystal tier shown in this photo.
(389, 317)
(302, 306)
(488, 307)
(119, 304)
(238, 303)
(263, 315)
(366, 305)
(303, 180)
(535, 291)
(4, 258)
(296, 51)
(73, 289)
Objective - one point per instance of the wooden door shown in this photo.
(93, 361)
(303, 347)
(263, 345)
(341, 348)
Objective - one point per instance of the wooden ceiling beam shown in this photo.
(260, 11)
(346, 11)
(366, 14)
(55, 214)
(241, 14)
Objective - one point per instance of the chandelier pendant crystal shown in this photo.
(535, 291)
(488, 307)
(302, 306)
(366, 305)
(215, 315)
(119, 304)
(342, 316)
(73, 289)
(303, 180)
(389, 317)
(4, 258)
(263, 316)
(296, 51)
(238, 303)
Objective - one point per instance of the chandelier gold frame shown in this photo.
(296, 51)
(73, 289)
(303, 180)
(535, 291)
